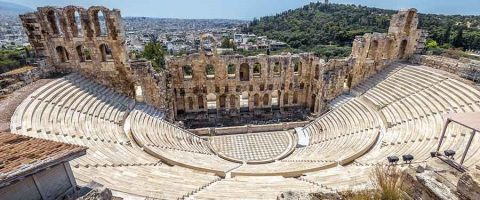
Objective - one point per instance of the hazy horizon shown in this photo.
(248, 9)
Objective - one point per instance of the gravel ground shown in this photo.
(11, 101)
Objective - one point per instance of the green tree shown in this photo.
(458, 40)
(154, 52)
(226, 43)
(446, 35)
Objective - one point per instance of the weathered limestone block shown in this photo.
(436, 185)
(469, 185)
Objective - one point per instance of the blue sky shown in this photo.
(247, 9)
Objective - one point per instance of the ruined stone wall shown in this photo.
(373, 51)
(260, 79)
(153, 85)
(90, 41)
(463, 67)
(312, 87)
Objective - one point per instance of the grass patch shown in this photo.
(388, 182)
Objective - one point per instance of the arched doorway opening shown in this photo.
(244, 72)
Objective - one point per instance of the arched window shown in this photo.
(223, 100)
(372, 51)
(317, 71)
(231, 69)
(285, 99)
(297, 67)
(75, 23)
(100, 24)
(62, 54)
(78, 22)
(190, 103)
(187, 71)
(403, 48)
(81, 57)
(200, 102)
(83, 53)
(244, 100)
(275, 95)
(295, 98)
(388, 49)
(256, 69)
(256, 100)
(211, 101)
(232, 101)
(210, 69)
(276, 68)
(53, 21)
(106, 52)
(244, 72)
(312, 103)
(265, 100)
(302, 85)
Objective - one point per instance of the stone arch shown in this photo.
(244, 99)
(347, 84)
(98, 17)
(276, 68)
(211, 101)
(244, 72)
(402, 49)
(81, 56)
(233, 100)
(54, 21)
(105, 52)
(388, 49)
(62, 54)
(231, 69)
(297, 67)
(187, 71)
(257, 68)
(372, 51)
(223, 101)
(210, 70)
(200, 102)
(295, 98)
(75, 23)
(256, 100)
(285, 98)
(266, 100)
(317, 71)
(190, 103)
(312, 102)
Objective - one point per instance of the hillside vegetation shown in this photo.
(330, 29)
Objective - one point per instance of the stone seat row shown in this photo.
(351, 117)
(157, 182)
(254, 187)
(156, 132)
(174, 145)
(406, 81)
(331, 153)
(65, 108)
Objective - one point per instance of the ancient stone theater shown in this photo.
(214, 126)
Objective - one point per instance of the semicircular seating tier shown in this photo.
(398, 111)
(412, 100)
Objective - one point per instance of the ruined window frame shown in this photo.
(257, 69)
(187, 71)
(210, 71)
(231, 70)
